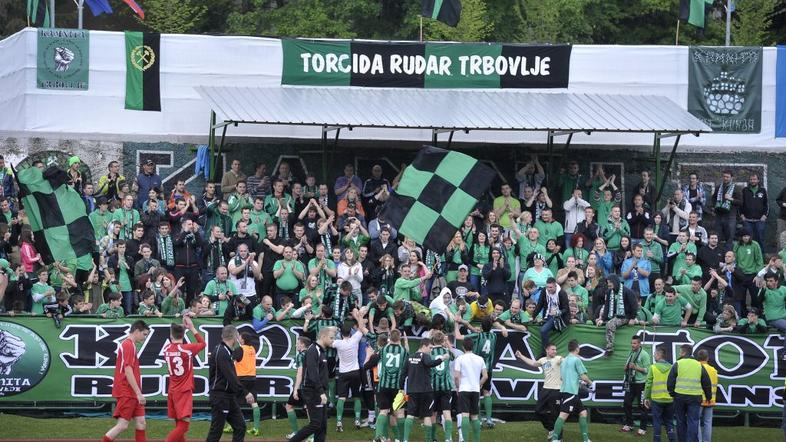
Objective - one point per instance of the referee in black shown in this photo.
(225, 388)
(314, 387)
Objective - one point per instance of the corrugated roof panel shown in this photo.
(473, 109)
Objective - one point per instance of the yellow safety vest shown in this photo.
(713, 373)
(660, 393)
(688, 377)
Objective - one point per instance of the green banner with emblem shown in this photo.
(63, 60)
(44, 364)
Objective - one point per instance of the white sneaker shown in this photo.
(551, 434)
(289, 436)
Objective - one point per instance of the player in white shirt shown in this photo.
(548, 405)
(469, 371)
(349, 381)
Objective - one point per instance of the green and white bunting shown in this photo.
(63, 60)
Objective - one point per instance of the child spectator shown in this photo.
(752, 323)
(80, 307)
(727, 320)
(111, 309)
(148, 305)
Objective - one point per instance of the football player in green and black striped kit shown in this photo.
(295, 398)
(485, 345)
(391, 369)
(325, 320)
(443, 386)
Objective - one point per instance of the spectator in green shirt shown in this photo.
(677, 252)
(506, 206)
(288, 273)
(773, 301)
(548, 228)
(515, 317)
(751, 323)
(615, 228)
(688, 271)
(749, 261)
(407, 289)
(111, 309)
(220, 290)
(42, 293)
(670, 311)
(695, 295)
(148, 305)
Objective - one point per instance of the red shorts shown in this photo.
(179, 404)
(128, 408)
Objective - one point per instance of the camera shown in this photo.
(55, 311)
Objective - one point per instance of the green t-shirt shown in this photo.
(407, 289)
(480, 255)
(499, 202)
(774, 304)
(690, 272)
(171, 306)
(552, 230)
(124, 279)
(643, 361)
(697, 301)
(288, 282)
(111, 312)
(571, 370)
(144, 309)
(526, 248)
(679, 258)
(214, 288)
(316, 302)
(582, 294)
(324, 280)
(613, 235)
(538, 278)
(671, 314)
(40, 288)
(519, 318)
(100, 223)
(259, 312)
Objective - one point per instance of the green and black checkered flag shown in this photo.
(435, 195)
(57, 217)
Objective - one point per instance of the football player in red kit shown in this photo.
(180, 360)
(127, 385)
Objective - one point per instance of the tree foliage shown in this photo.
(755, 22)
(173, 16)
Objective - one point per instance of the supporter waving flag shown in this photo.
(58, 218)
(436, 193)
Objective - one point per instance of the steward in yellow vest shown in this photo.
(657, 397)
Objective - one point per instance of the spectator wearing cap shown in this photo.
(461, 287)
(538, 273)
(481, 308)
(74, 175)
(146, 180)
(231, 177)
(749, 260)
(109, 185)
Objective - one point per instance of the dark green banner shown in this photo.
(724, 87)
(39, 362)
(63, 60)
(424, 65)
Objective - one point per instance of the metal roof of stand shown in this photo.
(458, 109)
(449, 110)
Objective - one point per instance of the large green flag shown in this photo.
(436, 193)
(38, 13)
(143, 62)
(446, 11)
(57, 215)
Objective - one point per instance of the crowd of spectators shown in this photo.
(274, 246)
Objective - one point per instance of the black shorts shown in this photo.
(331, 364)
(468, 402)
(570, 403)
(443, 401)
(368, 380)
(292, 402)
(385, 397)
(487, 385)
(348, 384)
(420, 405)
(250, 385)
